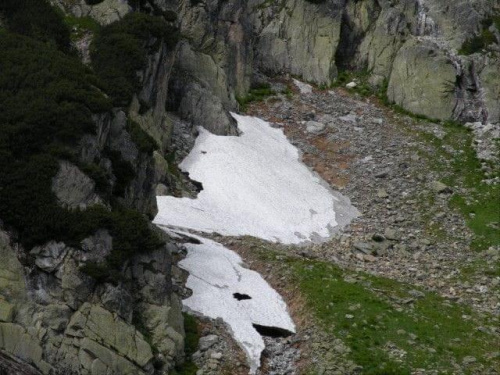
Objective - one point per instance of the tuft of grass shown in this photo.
(360, 77)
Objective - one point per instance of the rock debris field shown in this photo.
(253, 184)
(322, 175)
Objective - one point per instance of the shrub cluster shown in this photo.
(480, 42)
(48, 98)
(120, 50)
(38, 20)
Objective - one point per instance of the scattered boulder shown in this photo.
(314, 127)
(207, 342)
(440, 188)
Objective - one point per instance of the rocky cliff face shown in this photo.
(62, 311)
(412, 45)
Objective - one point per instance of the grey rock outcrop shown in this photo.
(94, 330)
(73, 188)
(422, 81)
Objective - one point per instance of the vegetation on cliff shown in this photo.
(119, 52)
(48, 99)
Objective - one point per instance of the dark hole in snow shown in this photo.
(241, 297)
(271, 331)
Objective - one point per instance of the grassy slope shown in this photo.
(374, 316)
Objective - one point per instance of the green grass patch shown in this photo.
(480, 207)
(255, 94)
(374, 315)
(360, 77)
(79, 26)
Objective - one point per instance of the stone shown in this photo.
(381, 193)
(73, 188)
(217, 355)
(351, 117)
(382, 174)
(364, 247)
(6, 311)
(50, 255)
(440, 188)
(314, 127)
(468, 360)
(207, 342)
(369, 258)
(392, 234)
(351, 85)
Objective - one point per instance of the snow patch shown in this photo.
(255, 184)
(216, 275)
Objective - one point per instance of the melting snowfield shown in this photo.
(255, 184)
(222, 288)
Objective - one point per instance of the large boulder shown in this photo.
(422, 80)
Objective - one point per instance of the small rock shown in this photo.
(381, 193)
(382, 174)
(469, 360)
(391, 234)
(369, 258)
(216, 355)
(349, 316)
(440, 188)
(314, 127)
(351, 85)
(351, 117)
(416, 293)
(207, 342)
(364, 247)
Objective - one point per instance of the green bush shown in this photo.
(47, 100)
(477, 43)
(123, 171)
(144, 142)
(120, 50)
(38, 20)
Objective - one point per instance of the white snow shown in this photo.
(254, 184)
(215, 274)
